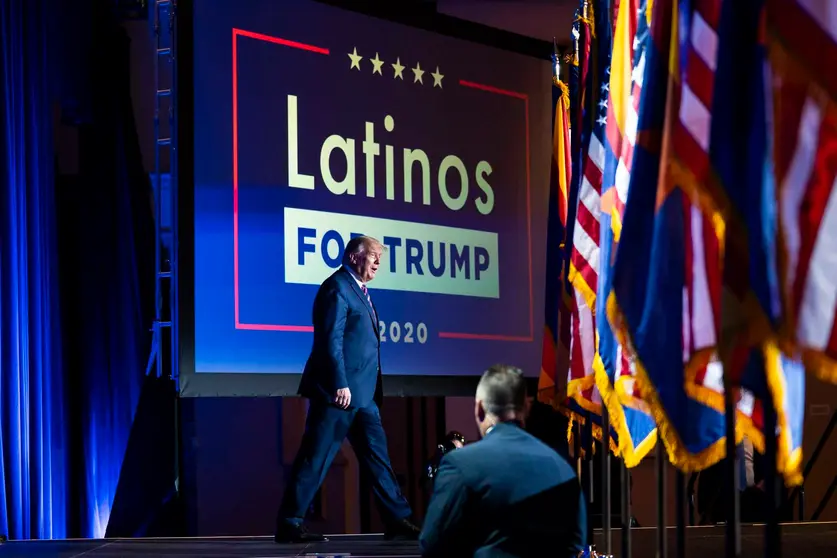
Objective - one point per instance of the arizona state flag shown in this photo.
(702, 127)
(742, 158)
(555, 352)
(650, 275)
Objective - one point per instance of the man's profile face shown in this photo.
(366, 262)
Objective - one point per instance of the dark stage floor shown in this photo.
(356, 546)
(801, 540)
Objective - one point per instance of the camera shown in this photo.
(452, 440)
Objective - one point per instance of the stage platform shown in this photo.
(799, 540)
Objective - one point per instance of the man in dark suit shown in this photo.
(342, 380)
(508, 495)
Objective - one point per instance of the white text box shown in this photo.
(419, 257)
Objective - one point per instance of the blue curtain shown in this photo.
(107, 277)
(34, 494)
(72, 352)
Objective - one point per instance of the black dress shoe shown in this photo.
(402, 530)
(294, 534)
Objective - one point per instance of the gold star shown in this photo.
(399, 69)
(356, 58)
(418, 72)
(437, 78)
(376, 65)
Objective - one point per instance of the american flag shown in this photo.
(689, 170)
(584, 399)
(717, 117)
(802, 35)
(624, 94)
(615, 375)
(623, 107)
(584, 255)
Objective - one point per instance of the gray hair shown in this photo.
(359, 245)
(502, 390)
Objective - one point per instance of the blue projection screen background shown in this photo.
(313, 124)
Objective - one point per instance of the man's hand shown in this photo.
(343, 398)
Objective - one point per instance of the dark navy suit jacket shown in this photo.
(508, 495)
(347, 347)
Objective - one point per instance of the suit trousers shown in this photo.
(325, 429)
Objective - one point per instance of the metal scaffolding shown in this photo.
(163, 359)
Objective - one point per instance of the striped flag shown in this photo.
(592, 30)
(583, 264)
(694, 107)
(614, 375)
(743, 155)
(651, 271)
(556, 348)
(582, 43)
(801, 37)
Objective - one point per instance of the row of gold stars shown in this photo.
(397, 68)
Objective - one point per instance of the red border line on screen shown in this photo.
(299, 328)
(283, 42)
(489, 337)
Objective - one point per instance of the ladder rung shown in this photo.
(163, 51)
(164, 324)
(164, 92)
(164, 141)
(164, 274)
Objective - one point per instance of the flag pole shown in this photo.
(661, 500)
(606, 530)
(588, 458)
(773, 539)
(681, 514)
(575, 143)
(606, 472)
(626, 511)
(733, 526)
(556, 60)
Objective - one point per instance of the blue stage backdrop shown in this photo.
(35, 484)
(314, 124)
(74, 281)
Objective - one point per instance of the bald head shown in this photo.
(501, 396)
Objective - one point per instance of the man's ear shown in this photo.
(479, 411)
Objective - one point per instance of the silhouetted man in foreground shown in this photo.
(508, 495)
